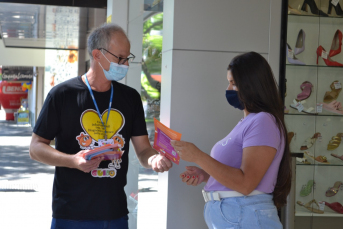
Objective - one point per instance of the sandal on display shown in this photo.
(303, 160)
(308, 143)
(336, 43)
(322, 159)
(319, 159)
(295, 106)
(334, 107)
(300, 44)
(337, 207)
(293, 11)
(306, 88)
(290, 136)
(313, 7)
(336, 88)
(309, 206)
(337, 156)
(291, 57)
(307, 189)
(325, 56)
(333, 190)
(335, 141)
(338, 9)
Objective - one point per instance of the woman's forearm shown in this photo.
(228, 176)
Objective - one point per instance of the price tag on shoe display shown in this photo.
(321, 205)
(335, 2)
(300, 106)
(324, 55)
(319, 108)
(337, 85)
(290, 53)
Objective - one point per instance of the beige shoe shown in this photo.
(311, 208)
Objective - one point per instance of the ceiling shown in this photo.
(45, 26)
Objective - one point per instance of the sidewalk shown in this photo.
(25, 185)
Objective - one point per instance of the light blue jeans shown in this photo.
(246, 212)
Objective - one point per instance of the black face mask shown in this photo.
(232, 98)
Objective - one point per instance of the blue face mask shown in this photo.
(232, 98)
(116, 72)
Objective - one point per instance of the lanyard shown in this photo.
(96, 106)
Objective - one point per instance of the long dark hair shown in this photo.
(258, 90)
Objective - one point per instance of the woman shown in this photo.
(248, 174)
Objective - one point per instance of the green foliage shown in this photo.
(152, 43)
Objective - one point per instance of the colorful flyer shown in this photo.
(163, 135)
(109, 152)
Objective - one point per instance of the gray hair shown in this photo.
(101, 36)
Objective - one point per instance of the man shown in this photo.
(90, 194)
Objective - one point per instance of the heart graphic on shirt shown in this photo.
(92, 125)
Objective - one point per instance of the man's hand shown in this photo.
(160, 163)
(82, 164)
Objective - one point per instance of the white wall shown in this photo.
(200, 39)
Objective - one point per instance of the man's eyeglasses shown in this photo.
(120, 59)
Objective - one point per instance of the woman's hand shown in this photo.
(194, 176)
(187, 151)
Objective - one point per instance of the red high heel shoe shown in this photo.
(328, 61)
(337, 207)
(336, 44)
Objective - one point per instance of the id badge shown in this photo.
(102, 142)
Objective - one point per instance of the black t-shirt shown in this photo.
(69, 115)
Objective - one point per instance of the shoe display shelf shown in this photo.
(311, 82)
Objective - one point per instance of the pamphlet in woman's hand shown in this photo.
(163, 135)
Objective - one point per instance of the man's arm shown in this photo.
(40, 150)
(148, 157)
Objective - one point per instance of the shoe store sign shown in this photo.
(14, 73)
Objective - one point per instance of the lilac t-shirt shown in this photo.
(256, 129)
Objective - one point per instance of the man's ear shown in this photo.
(96, 54)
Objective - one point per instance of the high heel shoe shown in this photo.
(300, 44)
(328, 61)
(290, 136)
(306, 88)
(334, 107)
(308, 143)
(338, 9)
(334, 93)
(291, 57)
(337, 156)
(337, 207)
(333, 190)
(336, 43)
(313, 7)
(335, 141)
(293, 11)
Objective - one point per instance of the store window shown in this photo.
(149, 214)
